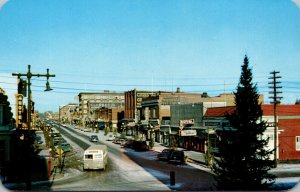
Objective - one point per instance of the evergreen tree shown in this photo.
(7, 114)
(244, 161)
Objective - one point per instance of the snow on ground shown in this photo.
(126, 167)
(286, 183)
(282, 183)
(286, 167)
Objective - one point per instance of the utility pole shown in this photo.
(27, 157)
(29, 75)
(275, 102)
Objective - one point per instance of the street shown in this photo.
(126, 170)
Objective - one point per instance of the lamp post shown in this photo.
(29, 75)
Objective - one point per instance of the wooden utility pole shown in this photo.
(275, 102)
(29, 75)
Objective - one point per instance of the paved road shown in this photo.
(121, 174)
(187, 177)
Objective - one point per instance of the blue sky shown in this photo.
(120, 45)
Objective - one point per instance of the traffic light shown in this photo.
(22, 87)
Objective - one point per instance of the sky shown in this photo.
(153, 45)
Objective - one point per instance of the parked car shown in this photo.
(177, 157)
(94, 138)
(64, 146)
(86, 129)
(123, 141)
(140, 146)
(128, 143)
(165, 154)
(116, 140)
(110, 137)
(55, 134)
(56, 140)
(38, 138)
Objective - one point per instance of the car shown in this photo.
(94, 138)
(64, 146)
(55, 134)
(87, 129)
(110, 137)
(38, 138)
(128, 143)
(140, 146)
(117, 140)
(177, 157)
(123, 141)
(56, 140)
(165, 154)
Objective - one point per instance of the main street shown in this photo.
(127, 169)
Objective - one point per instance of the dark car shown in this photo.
(165, 154)
(140, 146)
(94, 138)
(177, 157)
(128, 143)
(116, 140)
(38, 138)
(66, 147)
(57, 140)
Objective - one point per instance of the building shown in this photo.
(288, 137)
(288, 130)
(69, 113)
(7, 130)
(90, 101)
(157, 109)
(186, 126)
(133, 103)
(109, 116)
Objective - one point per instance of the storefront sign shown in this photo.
(212, 123)
(186, 122)
(188, 132)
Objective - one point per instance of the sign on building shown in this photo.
(186, 122)
(188, 132)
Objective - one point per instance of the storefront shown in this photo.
(165, 134)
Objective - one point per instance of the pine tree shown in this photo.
(7, 114)
(244, 161)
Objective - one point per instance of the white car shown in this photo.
(110, 137)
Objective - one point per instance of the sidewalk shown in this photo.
(282, 170)
(193, 156)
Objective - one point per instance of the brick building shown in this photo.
(91, 101)
(288, 128)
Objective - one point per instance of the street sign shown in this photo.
(59, 151)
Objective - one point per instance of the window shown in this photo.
(297, 143)
(88, 157)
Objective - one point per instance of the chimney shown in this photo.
(178, 90)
